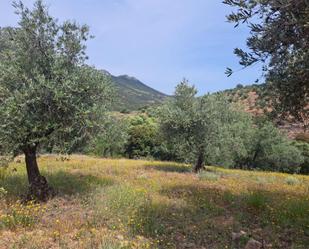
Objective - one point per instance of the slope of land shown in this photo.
(133, 94)
(115, 204)
(255, 101)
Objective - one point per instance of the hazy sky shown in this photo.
(156, 41)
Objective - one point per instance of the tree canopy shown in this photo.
(197, 125)
(47, 92)
(210, 130)
(279, 39)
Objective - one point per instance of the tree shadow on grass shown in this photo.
(70, 184)
(64, 183)
(205, 217)
(169, 167)
(184, 222)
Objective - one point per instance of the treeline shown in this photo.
(206, 130)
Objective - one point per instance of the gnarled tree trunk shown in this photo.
(38, 186)
(200, 162)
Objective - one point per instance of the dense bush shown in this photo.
(142, 137)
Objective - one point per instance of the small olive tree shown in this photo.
(198, 125)
(46, 90)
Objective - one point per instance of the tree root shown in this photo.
(39, 190)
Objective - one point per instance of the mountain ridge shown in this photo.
(133, 94)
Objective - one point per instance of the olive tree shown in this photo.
(279, 39)
(198, 126)
(110, 141)
(46, 90)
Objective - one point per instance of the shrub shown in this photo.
(3, 193)
(209, 176)
(142, 137)
(291, 180)
(256, 200)
(304, 149)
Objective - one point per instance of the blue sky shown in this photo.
(156, 41)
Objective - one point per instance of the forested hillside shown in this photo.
(132, 94)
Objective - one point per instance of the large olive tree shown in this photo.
(46, 90)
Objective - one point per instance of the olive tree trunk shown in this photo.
(33, 171)
(199, 163)
(38, 187)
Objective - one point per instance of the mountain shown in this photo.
(134, 94)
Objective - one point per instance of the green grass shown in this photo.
(209, 176)
(103, 203)
(291, 180)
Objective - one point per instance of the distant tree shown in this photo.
(304, 149)
(142, 137)
(210, 130)
(198, 126)
(47, 92)
(111, 139)
(279, 40)
(269, 149)
(239, 86)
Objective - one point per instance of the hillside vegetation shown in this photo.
(255, 99)
(132, 94)
(104, 203)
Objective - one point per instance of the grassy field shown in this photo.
(114, 204)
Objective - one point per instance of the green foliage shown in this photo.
(279, 40)
(209, 176)
(47, 92)
(3, 192)
(206, 129)
(304, 149)
(270, 150)
(210, 130)
(143, 137)
(290, 180)
(133, 94)
(111, 140)
(22, 215)
(256, 200)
